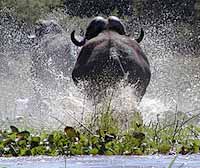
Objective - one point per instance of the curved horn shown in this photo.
(76, 42)
(140, 38)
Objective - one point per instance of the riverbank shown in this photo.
(105, 137)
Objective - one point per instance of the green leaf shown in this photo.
(25, 152)
(23, 134)
(35, 139)
(164, 148)
(71, 132)
(50, 139)
(22, 143)
(94, 151)
(13, 150)
(109, 137)
(139, 135)
(14, 129)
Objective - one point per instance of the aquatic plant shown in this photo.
(105, 138)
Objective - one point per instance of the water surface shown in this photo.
(154, 161)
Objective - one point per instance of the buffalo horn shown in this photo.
(76, 42)
(141, 36)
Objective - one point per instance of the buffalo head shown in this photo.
(115, 24)
(96, 26)
(109, 55)
(99, 24)
(46, 27)
(51, 53)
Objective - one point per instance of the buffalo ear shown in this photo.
(75, 41)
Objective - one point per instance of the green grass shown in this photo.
(29, 10)
(105, 137)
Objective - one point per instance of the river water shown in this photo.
(154, 161)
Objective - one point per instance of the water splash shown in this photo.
(52, 100)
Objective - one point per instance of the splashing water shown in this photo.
(53, 99)
(175, 73)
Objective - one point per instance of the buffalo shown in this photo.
(109, 56)
(51, 52)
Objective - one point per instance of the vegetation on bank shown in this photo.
(31, 10)
(105, 137)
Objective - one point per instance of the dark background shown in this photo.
(183, 14)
